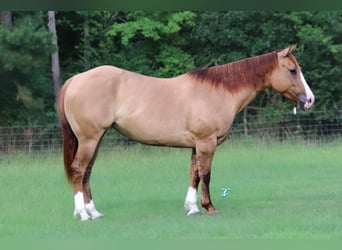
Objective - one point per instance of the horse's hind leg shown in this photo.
(191, 197)
(89, 203)
(84, 155)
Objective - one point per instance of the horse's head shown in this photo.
(288, 79)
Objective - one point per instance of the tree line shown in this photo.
(40, 50)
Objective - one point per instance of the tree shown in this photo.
(54, 56)
(82, 40)
(321, 55)
(24, 82)
(154, 43)
(6, 18)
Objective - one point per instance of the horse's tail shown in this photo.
(70, 142)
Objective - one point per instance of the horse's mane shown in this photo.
(236, 75)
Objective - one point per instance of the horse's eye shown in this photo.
(293, 71)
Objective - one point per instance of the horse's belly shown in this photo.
(157, 136)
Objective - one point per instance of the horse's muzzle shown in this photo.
(304, 102)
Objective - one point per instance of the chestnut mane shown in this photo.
(236, 75)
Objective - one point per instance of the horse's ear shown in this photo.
(291, 49)
(287, 51)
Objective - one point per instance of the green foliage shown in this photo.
(24, 72)
(25, 95)
(162, 38)
(173, 61)
(229, 36)
(321, 56)
(24, 47)
(152, 25)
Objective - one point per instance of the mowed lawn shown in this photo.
(276, 191)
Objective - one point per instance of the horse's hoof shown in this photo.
(84, 216)
(91, 210)
(212, 211)
(193, 212)
(191, 208)
(95, 215)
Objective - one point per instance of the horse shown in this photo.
(194, 110)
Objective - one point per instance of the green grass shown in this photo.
(277, 191)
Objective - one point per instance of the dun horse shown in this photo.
(193, 110)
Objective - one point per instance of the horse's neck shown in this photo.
(245, 96)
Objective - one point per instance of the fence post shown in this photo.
(245, 128)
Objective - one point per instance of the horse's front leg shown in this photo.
(191, 197)
(206, 200)
(205, 153)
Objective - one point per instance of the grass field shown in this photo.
(277, 191)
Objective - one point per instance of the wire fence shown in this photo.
(262, 127)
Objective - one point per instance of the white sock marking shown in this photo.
(191, 201)
(90, 208)
(191, 196)
(80, 207)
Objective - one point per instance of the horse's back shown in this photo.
(147, 109)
